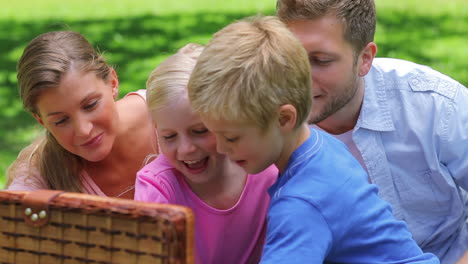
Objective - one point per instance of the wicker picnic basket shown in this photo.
(60, 227)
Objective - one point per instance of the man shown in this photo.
(405, 123)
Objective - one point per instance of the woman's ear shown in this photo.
(38, 118)
(114, 81)
(287, 117)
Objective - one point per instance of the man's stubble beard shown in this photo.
(337, 101)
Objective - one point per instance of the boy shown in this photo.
(251, 86)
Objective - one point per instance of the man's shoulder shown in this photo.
(396, 74)
(404, 69)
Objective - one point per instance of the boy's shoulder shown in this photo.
(320, 175)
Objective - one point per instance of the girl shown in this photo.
(229, 205)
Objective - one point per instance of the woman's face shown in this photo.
(187, 143)
(81, 114)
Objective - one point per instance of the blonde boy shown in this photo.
(251, 86)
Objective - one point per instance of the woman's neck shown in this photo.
(135, 140)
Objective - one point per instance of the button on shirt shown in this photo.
(412, 133)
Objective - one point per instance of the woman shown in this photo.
(93, 144)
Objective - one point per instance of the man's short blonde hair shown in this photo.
(358, 17)
(248, 70)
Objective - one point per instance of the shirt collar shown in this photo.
(375, 112)
(303, 153)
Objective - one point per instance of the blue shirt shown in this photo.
(412, 133)
(323, 210)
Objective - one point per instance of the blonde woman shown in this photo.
(93, 143)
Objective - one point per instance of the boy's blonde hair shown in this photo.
(169, 79)
(248, 70)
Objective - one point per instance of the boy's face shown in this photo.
(246, 144)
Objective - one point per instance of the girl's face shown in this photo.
(187, 143)
(81, 114)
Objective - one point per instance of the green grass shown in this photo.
(136, 35)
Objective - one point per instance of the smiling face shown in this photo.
(247, 145)
(187, 143)
(81, 114)
(334, 69)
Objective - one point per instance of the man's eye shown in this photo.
(323, 61)
(318, 61)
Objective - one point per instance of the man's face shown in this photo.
(334, 69)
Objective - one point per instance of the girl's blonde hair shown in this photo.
(169, 79)
(45, 61)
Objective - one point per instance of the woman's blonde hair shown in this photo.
(248, 70)
(45, 61)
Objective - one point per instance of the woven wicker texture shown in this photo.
(90, 229)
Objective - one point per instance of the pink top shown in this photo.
(28, 178)
(235, 235)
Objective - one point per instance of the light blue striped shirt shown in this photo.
(412, 133)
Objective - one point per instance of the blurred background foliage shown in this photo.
(136, 35)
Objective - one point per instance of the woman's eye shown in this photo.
(91, 105)
(61, 121)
